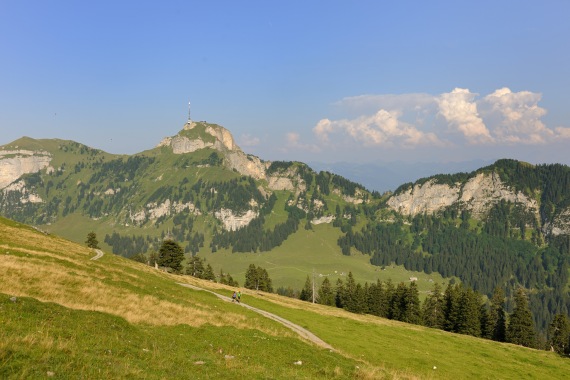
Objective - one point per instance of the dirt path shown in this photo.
(296, 328)
(98, 255)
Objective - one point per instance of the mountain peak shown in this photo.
(199, 135)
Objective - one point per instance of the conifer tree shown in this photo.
(307, 291)
(496, 321)
(209, 273)
(468, 319)
(451, 307)
(521, 325)
(559, 334)
(411, 311)
(92, 241)
(195, 267)
(432, 310)
(170, 255)
(325, 293)
(377, 303)
(358, 301)
(349, 293)
(339, 294)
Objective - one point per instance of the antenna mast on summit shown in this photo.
(189, 119)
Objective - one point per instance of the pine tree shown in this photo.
(195, 267)
(432, 310)
(349, 302)
(521, 326)
(377, 303)
(307, 292)
(325, 293)
(170, 255)
(451, 307)
(559, 334)
(92, 241)
(496, 320)
(411, 311)
(209, 273)
(251, 280)
(339, 294)
(469, 321)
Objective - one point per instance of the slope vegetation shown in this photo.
(64, 314)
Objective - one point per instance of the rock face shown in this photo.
(233, 222)
(26, 196)
(153, 211)
(477, 195)
(15, 163)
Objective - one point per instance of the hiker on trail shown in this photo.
(234, 296)
(239, 296)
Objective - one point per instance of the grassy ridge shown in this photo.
(114, 318)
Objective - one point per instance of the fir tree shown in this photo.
(496, 321)
(559, 334)
(521, 326)
(170, 255)
(92, 241)
(209, 273)
(339, 294)
(469, 321)
(325, 293)
(307, 292)
(432, 310)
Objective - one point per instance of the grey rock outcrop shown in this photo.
(15, 163)
(477, 195)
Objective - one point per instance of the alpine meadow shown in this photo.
(452, 276)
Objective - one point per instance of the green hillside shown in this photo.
(115, 318)
(302, 222)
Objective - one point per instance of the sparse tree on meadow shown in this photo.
(170, 255)
(92, 241)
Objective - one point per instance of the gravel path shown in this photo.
(296, 328)
(98, 255)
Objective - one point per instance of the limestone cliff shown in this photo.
(15, 163)
(477, 195)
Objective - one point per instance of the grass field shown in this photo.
(114, 318)
(305, 251)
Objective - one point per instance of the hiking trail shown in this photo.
(296, 328)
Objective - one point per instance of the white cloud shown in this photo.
(562, 132)
(381, 129)
(460, 111)
(516, 116)
(248, 140)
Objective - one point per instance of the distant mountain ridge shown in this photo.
(389, 175)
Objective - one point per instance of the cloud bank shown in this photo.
(459, 117)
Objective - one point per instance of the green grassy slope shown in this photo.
(114, 318)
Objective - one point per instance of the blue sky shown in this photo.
(326, 81)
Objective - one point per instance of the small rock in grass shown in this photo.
(298, 362)
(199, 362)
(14, 299)
(50, 374)
(229, 357)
